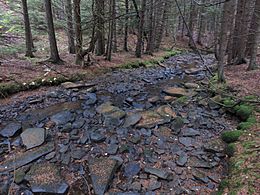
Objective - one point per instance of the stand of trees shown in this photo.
(230, 28)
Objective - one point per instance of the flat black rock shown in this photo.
(11, 129)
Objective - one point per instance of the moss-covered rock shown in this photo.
(244, 111)
(231, 136)
(228, 102)
(250, 122)
(230, 149)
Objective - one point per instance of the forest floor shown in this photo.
(135, 91)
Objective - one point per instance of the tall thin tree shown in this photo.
(54, 57)
(70, 28)
(28, 33)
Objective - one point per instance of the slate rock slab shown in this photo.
(11, 129)
(166, 111)
(159, 173)
(45, 178)
(132, 169)
(151, 119)
(33, 137)
(181, 161)
(101, 173)
(132, 119)
(175, 91)
(24, 158)
(189, 132)
(63, 117)
(215, 146)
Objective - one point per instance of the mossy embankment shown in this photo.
(243, 143)
(10, 88)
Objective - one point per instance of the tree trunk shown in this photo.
(223, 41)
(28, 33)
(114, 27)
(192, 22)
(78, 33)
(150, 43)
(70, 29)
(100, 48)
(139, 44)
(54, 58)
(110, 34)
(161, 25)
(201, 24)
(255, 37)
(126, 25)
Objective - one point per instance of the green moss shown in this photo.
(228, 102)
(230, 149)
(222, 186)
(243, 111)
(250, 122)
(248, 144)
(182, 100)
(250, 97)
(231, 136)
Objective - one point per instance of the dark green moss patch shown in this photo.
(230, 149)
(250, 122)
(231, 136)
(8, 89)
(243, 111)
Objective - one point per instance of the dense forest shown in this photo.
(129, 97)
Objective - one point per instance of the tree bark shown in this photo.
(70, 29)
(192, 21)
(54, 57)
(78, 33)
(111, 33)
(139, 44)
(126, 25)
(150, 42)
(28, 33)
(223, 41)
(255, 38)
(100, 48)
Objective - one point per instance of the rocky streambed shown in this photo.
(129, 132)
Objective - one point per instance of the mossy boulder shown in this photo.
(231, 136)
(250, 122)
(230, 149)
(243, 111)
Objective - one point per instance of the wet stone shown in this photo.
(101, 173)
(182, 159)
(11, 129)
(132, 169)
(186, 141)
(78, 154)
(215, 146)
(189, 132)
(112, 149)
(33, 137)
(97, 137)
(63, 117)
(46, 178)
(151, 119)
(132, 119)
(175, 91)
(159, 173)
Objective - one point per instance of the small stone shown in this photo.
(97, 137)
(215, 146)
(154, 185)
(166, 111)
(132, 169)
(132, 119)
(200, 175)
(50, 156)
(191, 85)
(78, 154)
(112, 149)
(11, 129)
(182, 160)
(151, 119)
(186, 141)
(33, 137)
(135, 186)
(189, 132)
(63, 117)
